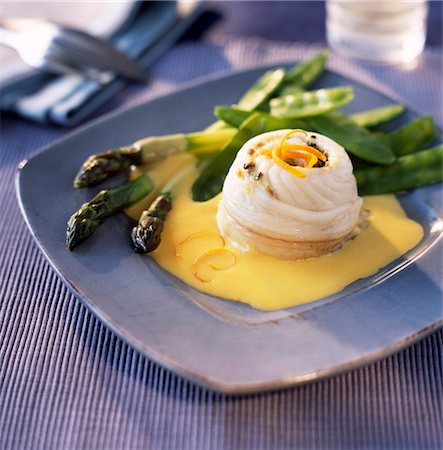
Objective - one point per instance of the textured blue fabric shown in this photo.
(66, 100)
(67, 382)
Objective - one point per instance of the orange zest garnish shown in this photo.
(201, 234)
(276, 157)
(202, 256)
(267, 152)
(206, 254)
(296, 130)
(321, 156)
(309, 157)
(284, 151)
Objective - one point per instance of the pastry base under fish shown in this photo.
(243, 238)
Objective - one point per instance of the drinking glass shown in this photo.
(386, 31)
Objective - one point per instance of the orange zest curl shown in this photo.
(321, 156)
(309, 157)
(267, 153)
(284, 151)
(202, 256)
(296, 130)
(276, 157)
(206, 254)
(201, 234)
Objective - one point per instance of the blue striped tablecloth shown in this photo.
(67, 382)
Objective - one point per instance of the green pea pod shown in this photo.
(311, 103)
(257, 96)
(263, 89)
(359, 164)
(234, 116)
(377, 116)
(355, 139)
(231, 115)
(305, 73)
(210, 181)
(218, 125)
(412, 136)
(273, 81)
(290, 89)
(408, 172)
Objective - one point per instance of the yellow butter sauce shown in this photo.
(160, 172)
(270, 284)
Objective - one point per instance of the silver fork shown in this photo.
(59, 49)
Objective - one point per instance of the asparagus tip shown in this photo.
(72, 233)
(100, 166)
(146, 236)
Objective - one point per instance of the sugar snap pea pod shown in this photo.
(290, 89)
(218, 125)
(359, 164)
(311, 103)
(412, 136)
(300, 77)
(377, 116)
(210, 181)
(305, 73)
(274, 81)
(235, 116)
(231, 115)
(408, 172)
(355, 139)
(257, 96)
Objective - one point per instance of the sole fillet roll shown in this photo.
(290, 194)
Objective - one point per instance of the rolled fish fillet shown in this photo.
(278, 204)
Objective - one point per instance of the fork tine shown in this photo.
(66, 46)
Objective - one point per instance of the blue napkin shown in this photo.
(148, 30)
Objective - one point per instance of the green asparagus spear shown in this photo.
(311, 103)
(146, 235)
(92, 214)
(202, 144)
(409, 171)
(377, 116)
(355, 139)
(101, 166)
(210, 181)
(412, 136)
